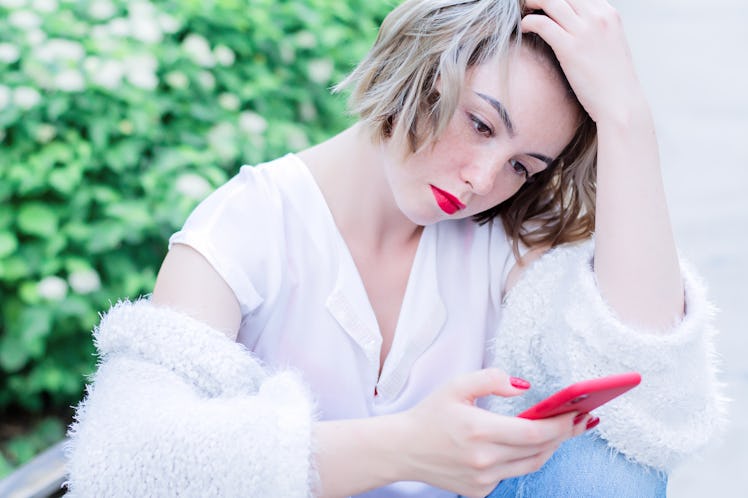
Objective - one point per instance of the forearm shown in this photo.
(636, 261)
(353, 456)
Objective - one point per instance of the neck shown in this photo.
(350, 171)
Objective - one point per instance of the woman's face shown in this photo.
(504, 131)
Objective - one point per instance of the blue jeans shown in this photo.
(584, 467)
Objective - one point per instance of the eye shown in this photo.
(481, 127)
(519, 169)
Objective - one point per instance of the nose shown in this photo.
(480, 174)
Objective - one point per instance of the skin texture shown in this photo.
(381, 204)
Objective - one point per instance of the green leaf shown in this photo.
(35, 218)
(8, 244)
(34, 326)
(14, 268)
(6, 215)
(13, 354)
(66, 179)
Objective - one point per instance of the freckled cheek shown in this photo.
(503, 189)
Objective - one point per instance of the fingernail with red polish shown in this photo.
(519, 383)
(579, 418)
(593, 422)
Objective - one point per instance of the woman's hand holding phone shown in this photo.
(450, 443)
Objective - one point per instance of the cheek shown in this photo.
(504, 188)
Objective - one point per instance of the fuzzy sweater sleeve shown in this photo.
(556, 329)
(177, 409)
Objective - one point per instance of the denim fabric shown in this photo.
(585, 467)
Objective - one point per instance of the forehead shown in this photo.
(534, 94)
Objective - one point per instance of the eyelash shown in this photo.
(485, 130)
(481, 127)
(522, 169)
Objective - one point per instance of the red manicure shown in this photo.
(519, 383)
(593, 422)
(579, 418)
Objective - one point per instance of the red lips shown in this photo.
(446, 201)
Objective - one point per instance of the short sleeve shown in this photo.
(237, 230)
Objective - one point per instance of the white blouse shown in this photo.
(270, 235)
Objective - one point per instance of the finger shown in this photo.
(587, 8)
(550, 31)
(515, 431)
(527, 465)
(560, 11)
(474, 385)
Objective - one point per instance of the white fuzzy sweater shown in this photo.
(556, 329)
(176, 409)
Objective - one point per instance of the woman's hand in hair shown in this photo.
(450, 443)
(636, 262)
(588, 39)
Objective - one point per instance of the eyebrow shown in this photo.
(547, 160)
(504, 115)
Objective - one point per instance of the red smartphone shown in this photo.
(583, 396)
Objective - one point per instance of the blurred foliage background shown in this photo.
(116, 118)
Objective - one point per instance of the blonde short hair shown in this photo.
(393, 89)
(422, 43)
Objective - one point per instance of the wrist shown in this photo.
(630, 114)
(357, 455)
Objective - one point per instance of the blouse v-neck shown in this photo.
(421, 314)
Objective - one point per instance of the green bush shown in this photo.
(116, 117)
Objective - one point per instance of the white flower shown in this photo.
(5, 96)
(307, 111)
(84, 281)
(320, 70)
(177, 79)
(35, 37)
(198, 50)
(297, 139)
(119, 27)
(142, 78)
(69, 80)
(306, 39)
(24, 19)
(193, 186)
(39, 74)
(9, 53)
(287, 53)
(146, 29)
(141, 60)
(108, 74)
(141, 9)
(26, 97)
(222, 139)
(168, 24)
(252, 123)
(229, 101)
(91, 64)
(140, 71)
(45, 133)
(45, 6)
(224, 55)
(52, 288)
(57, 50)
(12, 4)
(102, 9)
(206, 80)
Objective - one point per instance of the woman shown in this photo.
(377, 285)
